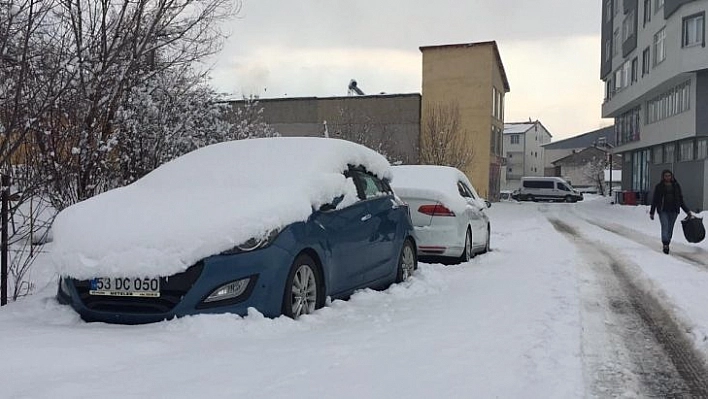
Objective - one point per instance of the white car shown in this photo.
(448, 215)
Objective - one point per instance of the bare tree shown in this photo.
(115, 46)
(442, 138)
(362, 129)
(594, 170)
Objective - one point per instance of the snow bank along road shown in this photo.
(632, 341)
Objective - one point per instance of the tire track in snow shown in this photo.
(698, 258)
(662, 359)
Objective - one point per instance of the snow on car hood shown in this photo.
(203, 203)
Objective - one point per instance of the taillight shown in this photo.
(436, 210)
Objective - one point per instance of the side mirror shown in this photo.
(332, 205)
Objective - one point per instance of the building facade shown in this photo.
(601, 138)
(523, 145)
(389, 124)
(470, 76)
(654, 64)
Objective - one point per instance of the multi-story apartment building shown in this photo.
(655, 67)
(523, 148)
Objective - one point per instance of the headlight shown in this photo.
(228, 291)
(64, 287)
(253, 243)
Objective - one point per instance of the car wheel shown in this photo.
(467, 252)
(407, 262)
(532, 198)
(568, 198)
(303, 288)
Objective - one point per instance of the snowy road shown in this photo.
(630, 338)
(575, 300)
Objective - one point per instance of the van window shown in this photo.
(538, 184)
(563, 187)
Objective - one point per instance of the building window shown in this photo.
(608, 11)
(608, 88)
(659, 49)
(658, 155)
(627, 126)
(702, 149)
(615, 42)
(608, 49)
(693, 30)
(510, 171)
(618, 80)
(646, 61)
(670, 103)
(647, 12)
(635, 69)
(494, 102)
(628, 28)
(686, 151)
(669, 153)
(514, 139)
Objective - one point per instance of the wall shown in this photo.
(389, 119)
(463, 75)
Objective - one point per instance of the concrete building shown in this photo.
(585, 169)
(469, 77)
(601, 138)
(655, 67)
(524, 151)
(389, 124)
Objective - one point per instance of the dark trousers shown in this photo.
(667, 219)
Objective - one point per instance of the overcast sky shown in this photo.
(298, 48)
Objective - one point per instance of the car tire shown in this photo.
(304, 291)
(568, 198)
(467, 251)
(407, 262)
(532, 198)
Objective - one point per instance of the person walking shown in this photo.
(667, 201)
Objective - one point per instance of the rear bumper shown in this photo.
(442, 240)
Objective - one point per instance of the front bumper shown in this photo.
(183, 294)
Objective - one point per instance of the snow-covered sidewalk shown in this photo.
(507, 324)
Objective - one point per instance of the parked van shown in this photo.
(547, 189)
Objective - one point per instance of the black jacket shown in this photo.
(657, 202)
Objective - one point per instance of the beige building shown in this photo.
(470, 76)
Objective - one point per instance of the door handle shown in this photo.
(366, 217)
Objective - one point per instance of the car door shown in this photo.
(475, 210)
(380, 252)
(344, 234)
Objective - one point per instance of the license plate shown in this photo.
(124, 286)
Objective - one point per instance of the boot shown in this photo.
(666, 248)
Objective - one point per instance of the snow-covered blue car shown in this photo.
(276, 224)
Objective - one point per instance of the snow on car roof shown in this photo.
(432, 182)
(203, 203)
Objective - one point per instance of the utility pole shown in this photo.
(4, 194)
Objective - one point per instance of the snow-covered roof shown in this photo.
(517, 128)
(205, 202)
(431, 182)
